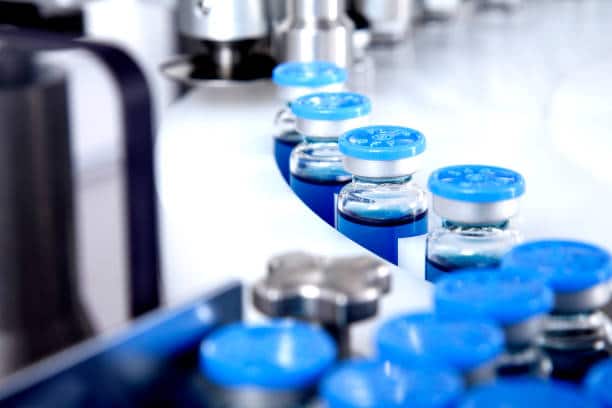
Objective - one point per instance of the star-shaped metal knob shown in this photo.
(333, 292)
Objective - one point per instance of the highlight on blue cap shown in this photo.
(331, 106)
(417, 339)
(476, 183)
(375, 384)
(308, 74)
(505, 296)
(598, 383)
(569, 266)
(279, 355)
(382, 143)
(522, 392)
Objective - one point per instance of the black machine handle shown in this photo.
(138, 140)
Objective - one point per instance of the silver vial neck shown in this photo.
(379, 169)
(291, 93)
(583, 301)
(525, 333)
(470, 213)
(586, 331)
(326, 129)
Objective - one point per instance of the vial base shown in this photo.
(321, 197)
(435, 270)
(573, 365)
(282, 152)
(382, 237)
(528, 362)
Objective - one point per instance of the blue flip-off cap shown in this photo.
(331, 106)
(382, 143)
(569, 266)
(279, 355)
(376, 384)
(476, 183)
(505, 296)
(308, 74)
(599, 383)
(417, 339)
(522, 392)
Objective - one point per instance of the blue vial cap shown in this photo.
(522, 392)
(279, 355)
(476, 183)
(424, 338)
(331, 106)
(569, 266)
(504, 296)
(599, 383)
(308, 74)
(374, 384)
(382, 143)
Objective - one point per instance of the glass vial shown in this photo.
(382, 209)
(577, 333)
(476, 207)
(293, 80)
(317, 171)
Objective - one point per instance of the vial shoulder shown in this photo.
(318, 161)
(471, 241)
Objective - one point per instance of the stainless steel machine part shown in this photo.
(390, 20)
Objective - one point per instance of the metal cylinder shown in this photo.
(40, 310)
(316, 30)
(390, 20)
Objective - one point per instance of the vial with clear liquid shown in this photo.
(295, 79)
(576, 333)
(265, 365)
(515, 299)
(476, 207)
(317, 170)
(469, 346)
(382, 209)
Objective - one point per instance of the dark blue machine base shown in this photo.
(282, 152)
(435, 270)
(382, 239)
(320, 197)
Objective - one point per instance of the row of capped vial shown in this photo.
(359, 179)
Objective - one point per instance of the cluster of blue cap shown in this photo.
(426, 339)
(376, 384)
(567, 266)
(278, 355)
(476, 183)
(382, 143)
(315, 74)
(504, 296)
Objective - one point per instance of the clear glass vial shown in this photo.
(476, 207)
(377, 384)
(272, 365)
(577, 333)
(317, 171)
(293, 80)
(514, 299)
(469, 346)
(382, 207)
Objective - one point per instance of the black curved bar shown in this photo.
(144, 258)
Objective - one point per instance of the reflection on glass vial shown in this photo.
(469, 346)
(515, 299)
(317, 171)
(376, 384)
(476, 206)
(577, 334)
(293, 80)
(382, 208)
(272, 365)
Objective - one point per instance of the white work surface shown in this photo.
(530, 91)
